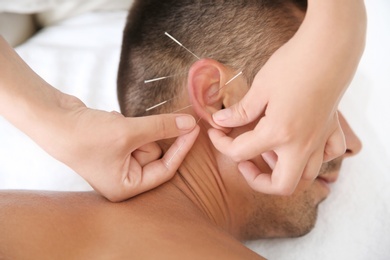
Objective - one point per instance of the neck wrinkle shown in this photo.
(200, 181)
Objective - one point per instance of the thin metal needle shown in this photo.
(156, 79)
(170, 36)
(181, 109)
(156, 106)
(178, 150)
(161, 78)
(227, 83)
(180, 44)
(166, 101)
(159, 104)
(174, 155)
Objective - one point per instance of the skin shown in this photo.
(117, 156)
(203, 212)
(322, 59)
(129, 161)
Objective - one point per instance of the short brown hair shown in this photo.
(241, 34)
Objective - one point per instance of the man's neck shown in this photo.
(200, 181)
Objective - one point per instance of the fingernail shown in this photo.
(222, 115)
(270, 158)
(185, 122)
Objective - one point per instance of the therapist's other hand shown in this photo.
(295, 98)
(297, 130)
(118, 156)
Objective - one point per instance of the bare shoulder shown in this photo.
(42, 223)
(86, 226)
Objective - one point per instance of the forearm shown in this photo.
(26, 100)
(332, 39)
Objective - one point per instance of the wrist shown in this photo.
(27, 101)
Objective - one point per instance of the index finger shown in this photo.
(243, 147)
(282, 181)
(160, 171)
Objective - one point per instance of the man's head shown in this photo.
(230, 36)
(240, 34)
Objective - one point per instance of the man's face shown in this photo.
(295, 215)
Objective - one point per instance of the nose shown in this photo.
(353, 143)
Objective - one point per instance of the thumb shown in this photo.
(152, 128)
(245, 111)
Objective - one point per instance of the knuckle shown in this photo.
(113, 196)
(117, 137)
(310, 176)
(114, 199)
(287, 130)
(236, 158)
(122, 139)
(282, 134)
(162, 126)
(241, 112)
(335, 150)
(235, 155)
(342, 148)
(282, 188)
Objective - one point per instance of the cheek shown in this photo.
(306, 193)
(304, 186)
(284, 216)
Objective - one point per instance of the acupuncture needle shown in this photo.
(170, 36)
(166, 101)
(181, 45)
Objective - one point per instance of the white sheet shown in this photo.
(80, 57)
(354, 222)
(52, 11)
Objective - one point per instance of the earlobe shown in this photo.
(204, 83)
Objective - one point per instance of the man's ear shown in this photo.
(206, 79)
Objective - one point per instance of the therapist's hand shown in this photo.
(118, 156)
(296, 131)
(295, 97)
